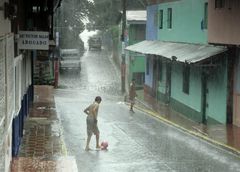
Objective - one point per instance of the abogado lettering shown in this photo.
(34, 42)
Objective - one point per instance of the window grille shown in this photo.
(169, 21)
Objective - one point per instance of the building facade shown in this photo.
(6, 87)
(136, 32)
(182, 69)
(16, 68)
(223, 29)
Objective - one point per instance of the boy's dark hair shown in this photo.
(98, 98)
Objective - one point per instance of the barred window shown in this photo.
(205, 19)
(186, 78)
(169, 21)
(160, 19)
(219, 3)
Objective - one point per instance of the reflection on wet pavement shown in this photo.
(97, 74)
(137, 142)
(42, 147)
(225, 135)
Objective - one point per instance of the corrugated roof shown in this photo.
(139, 15)
(184, 52)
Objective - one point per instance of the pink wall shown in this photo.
(224, 23)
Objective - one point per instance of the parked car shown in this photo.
(70, 60)
(95, 42)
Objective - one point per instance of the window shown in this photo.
(160, 68)
(147, 66)
(169, 15)
(219, 3)
(160, 19)
(205, 19)
(36, 9)
(186, 77)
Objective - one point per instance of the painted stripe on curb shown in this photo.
(197, 134)
(64, 147)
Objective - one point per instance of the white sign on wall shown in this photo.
(33, 40)
(57, 39)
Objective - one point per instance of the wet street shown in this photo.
(137, 141)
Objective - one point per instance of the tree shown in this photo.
(104, 14)
(101, 14)
(72, 14)
(107, 13)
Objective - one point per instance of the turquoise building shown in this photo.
(182, 69)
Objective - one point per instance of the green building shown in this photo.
(135, 32)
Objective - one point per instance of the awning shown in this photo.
(136, 16)
(184, 52)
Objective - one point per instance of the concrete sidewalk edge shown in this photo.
(191, 132)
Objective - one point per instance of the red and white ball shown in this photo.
(104, 145)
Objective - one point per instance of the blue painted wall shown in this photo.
(151, 34)
(151, 29)
(149, 76)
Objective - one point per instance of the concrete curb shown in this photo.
(191, 132)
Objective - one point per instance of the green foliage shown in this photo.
(104, 13)
(70, 22)
(107, 13)
(115, 32)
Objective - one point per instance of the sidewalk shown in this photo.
(42, 147)
(225, 136)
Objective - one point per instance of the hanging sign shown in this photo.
(33, 40)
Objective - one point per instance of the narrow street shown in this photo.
(178, 59)
(137, 141)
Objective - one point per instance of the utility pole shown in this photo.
(123, 63)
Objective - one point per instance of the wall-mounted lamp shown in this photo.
(174, 58)
(10, 10)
